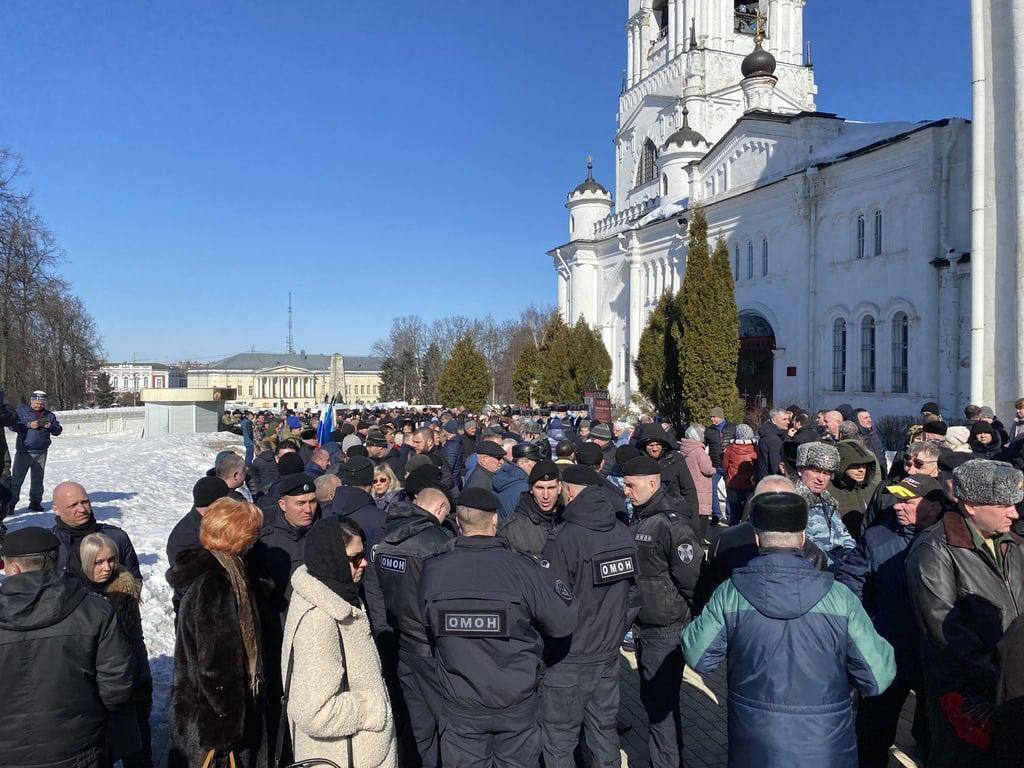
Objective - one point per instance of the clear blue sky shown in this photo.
(196, 160)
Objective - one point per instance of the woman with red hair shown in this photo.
(217, 702)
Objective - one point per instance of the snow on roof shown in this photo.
(854, 136)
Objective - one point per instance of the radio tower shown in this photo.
(290, 344)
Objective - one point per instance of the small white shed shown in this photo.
(184, 410)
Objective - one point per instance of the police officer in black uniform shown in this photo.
(413, 533)
(592, 552)
(669, 555)
(527, 528)
(486, 607)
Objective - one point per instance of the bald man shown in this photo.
(75, 521)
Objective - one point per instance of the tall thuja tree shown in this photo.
(554, 373)
(524, 376)
(589, 362)
(658, 364)
(726, 333)
(466, 379)
(701, 383)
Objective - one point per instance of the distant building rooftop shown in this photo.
(255, 361)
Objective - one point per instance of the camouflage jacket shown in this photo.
(825, 525)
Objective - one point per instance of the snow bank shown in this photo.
(144, 487)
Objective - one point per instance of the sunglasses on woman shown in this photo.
(380, 481)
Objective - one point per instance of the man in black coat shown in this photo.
(64, 654)
(717, 436)
(593, 553)
(75, 521)
(185, 534)
(527, 528)
(653, 440)
(669, 557)
(8, 418)
(353, 498)
(769, 448)
(413, 533)
(380, 452)
(422, 442)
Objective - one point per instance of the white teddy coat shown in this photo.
(320, 715)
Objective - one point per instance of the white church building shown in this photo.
(850, 242)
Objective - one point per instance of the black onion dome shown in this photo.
(758, 63)
(685, 135)
(589, 184)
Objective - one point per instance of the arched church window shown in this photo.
(736, 261)
(750, 260)
(572, 224)
(839, 355)
(860, 235)
(900, 351)
(646, 172)
(878, 233)
(867, 354)
(764, 257)
(664, 184)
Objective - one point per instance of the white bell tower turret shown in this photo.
(587, 204)
(681, 149)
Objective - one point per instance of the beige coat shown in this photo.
(320, 715)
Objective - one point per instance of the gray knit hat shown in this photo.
(982, 481)
(744, 432)
(817, 456)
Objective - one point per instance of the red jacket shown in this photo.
(739, 461)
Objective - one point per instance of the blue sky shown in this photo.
(198, 160)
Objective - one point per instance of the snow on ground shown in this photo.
(143, 486)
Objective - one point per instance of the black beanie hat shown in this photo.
(290, 464)
(779, 511)
(208, 490)
(30, 541)
(357, 471)
(357, 450)
(307, 434)
(624, 453)
(935, 428)
(544, 470)
(577, 475)
(589, 454)
(425, 476)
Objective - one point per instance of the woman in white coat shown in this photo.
(337, 703)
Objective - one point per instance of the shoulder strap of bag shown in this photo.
(344, 689)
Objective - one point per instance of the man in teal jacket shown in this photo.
(795, 639)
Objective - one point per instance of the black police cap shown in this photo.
(641, 465)
(479, 498)
(29, 541)
(296, 484)
(544, 470)
(574, 474)
(779, 511)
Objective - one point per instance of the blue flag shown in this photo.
(323, 432)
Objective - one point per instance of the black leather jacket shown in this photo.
(964, 602)
(670, 556)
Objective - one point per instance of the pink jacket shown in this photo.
(701, 470)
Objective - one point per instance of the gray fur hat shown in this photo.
(848, 430)
(982, 481)
(817, 456)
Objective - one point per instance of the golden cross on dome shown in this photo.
(759, 21)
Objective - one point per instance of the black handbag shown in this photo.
(282, 726)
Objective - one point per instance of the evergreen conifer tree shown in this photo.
(589, 361)
(726, 334)
(658, 360)
(524, 377)
(105, 394)
(465, 380)
(554, 375)
(700, 371)
(433, 364)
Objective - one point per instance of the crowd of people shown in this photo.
(438, 588)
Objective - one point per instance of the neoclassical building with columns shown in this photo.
(270, 380)
(850, 242)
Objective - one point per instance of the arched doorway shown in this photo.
(754, 372)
